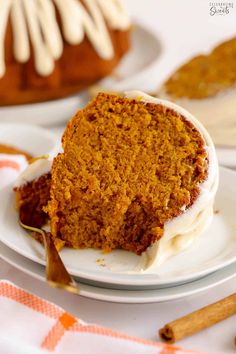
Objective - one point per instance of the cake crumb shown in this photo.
(100, 262)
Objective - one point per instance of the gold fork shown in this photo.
(56, 274)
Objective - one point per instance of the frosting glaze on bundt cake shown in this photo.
(50, 48)
(137, 173)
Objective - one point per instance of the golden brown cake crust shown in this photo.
(205, 75)
(127, 168)
(78, 67)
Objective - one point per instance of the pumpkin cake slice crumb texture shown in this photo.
(128, 167)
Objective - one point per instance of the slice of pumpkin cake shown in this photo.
(137, 173)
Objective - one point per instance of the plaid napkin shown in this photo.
(10, 167)
(33, 325)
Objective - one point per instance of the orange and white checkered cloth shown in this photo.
(32, 325)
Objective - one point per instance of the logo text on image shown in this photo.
(220, 8)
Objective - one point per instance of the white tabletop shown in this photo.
(185, 28)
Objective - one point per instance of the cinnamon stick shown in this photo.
(198, 320)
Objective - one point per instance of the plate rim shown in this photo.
(224, 155)
(120, 296)
(36, 130)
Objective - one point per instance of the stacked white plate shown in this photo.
(210, 261)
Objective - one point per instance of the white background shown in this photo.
(184, 27)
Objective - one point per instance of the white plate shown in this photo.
(215, 249)
(124, 296)
(142, 57)
(34, 140)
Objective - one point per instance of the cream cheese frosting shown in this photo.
(34, 171)
(180, 232)
(34, 22)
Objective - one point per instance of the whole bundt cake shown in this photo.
(53, 48)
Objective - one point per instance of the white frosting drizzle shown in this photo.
(5, 6)
(21, 44)
(35, 22)
(180, 232)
